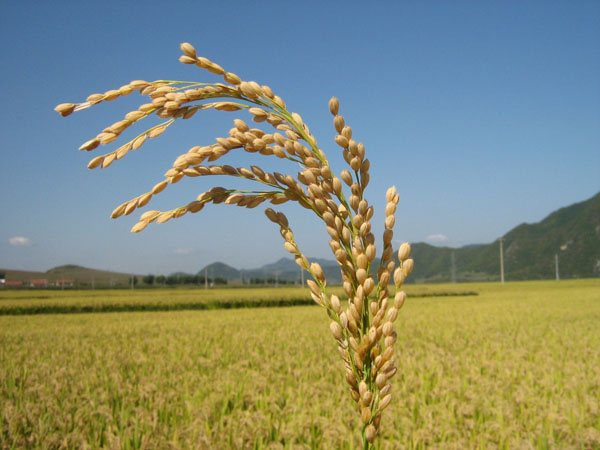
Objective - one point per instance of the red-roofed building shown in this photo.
(41, 283)
(13, 283)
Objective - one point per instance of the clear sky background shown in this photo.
(484, 115)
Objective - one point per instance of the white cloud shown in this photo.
(183, 251)
(20, 241)
(437, 238)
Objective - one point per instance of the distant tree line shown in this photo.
(178, 279)
(270, 280)
(181, 279)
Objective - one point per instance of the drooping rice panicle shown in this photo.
(364, 330)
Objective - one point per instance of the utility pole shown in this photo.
(302, 276)
(206, 278)
(556, 266)
(453, 266)
(501, 262)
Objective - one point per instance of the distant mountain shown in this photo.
(283, 269)
(288, 269)
(572, 233)
(222, 270)
(82, 277)
(283, 265)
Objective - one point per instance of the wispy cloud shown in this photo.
(20, 241)
(183, 251)
(437, 238)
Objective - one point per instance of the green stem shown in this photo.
(366, 444)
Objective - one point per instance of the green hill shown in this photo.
(81, 277)
(221, 270)
(285, 269)
(572, 233)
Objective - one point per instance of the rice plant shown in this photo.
(364, 331)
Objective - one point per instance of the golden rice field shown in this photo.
(517, 366)
(72, 301)
(35, 301)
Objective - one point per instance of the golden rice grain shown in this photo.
(118, 211)
(90, 145)
(341, 141)
(108, 160)
(334, 106)
(159, 187)
(339, 123)
(157, 131)
(164, 217)
(336, 330)
(64, 109)
(122, 151)
(370, 433)
(96, 162)
(278, 101)
(188, 49)
(365, 414)
(95, 98)
(407, 266)
(184, 59)
(111, 95)
(139, 226)
(404, 251)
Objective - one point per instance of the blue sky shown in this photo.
(483, 114)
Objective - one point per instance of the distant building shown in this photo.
(63, 283)
(13, 283)
(41, 283)
(2, 281)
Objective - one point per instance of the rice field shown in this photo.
(517, 366)
(36, 301)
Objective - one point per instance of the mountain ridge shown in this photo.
(529, 249)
